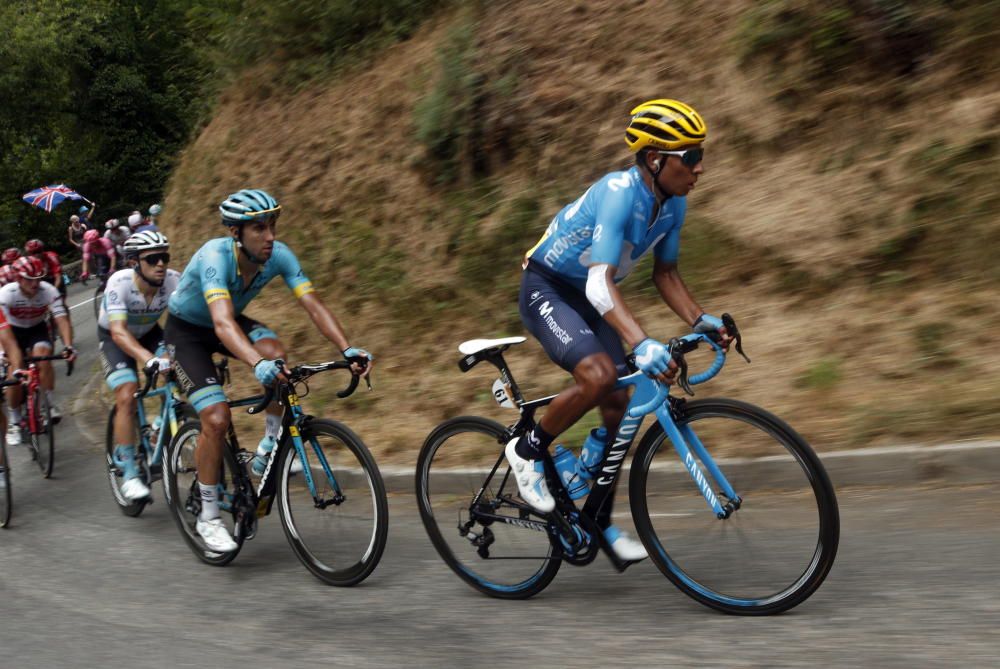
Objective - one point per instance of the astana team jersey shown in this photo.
(609, 224)
(123, 301)
(213, 274)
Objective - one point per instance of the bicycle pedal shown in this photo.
(244, 456)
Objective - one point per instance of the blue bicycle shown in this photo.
(151, 439)
(746, 523)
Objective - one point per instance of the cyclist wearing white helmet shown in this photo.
(117, 233)
(128, 332)
(206, 317)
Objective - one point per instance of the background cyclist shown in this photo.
(570, 302)
(206, 317)
(98, 254)
(25, 303)
(50, 261)
(128, 332)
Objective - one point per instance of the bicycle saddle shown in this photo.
(474, 346)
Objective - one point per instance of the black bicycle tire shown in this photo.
(829, 515)
(98, 298)
(6, 497)
(177, 499)
(441, 433)
(46, 463)
(130, 509)
(363, 568)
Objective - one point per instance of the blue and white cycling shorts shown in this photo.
(564, 322)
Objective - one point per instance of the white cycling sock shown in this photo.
(14, 414)
(209, 501)
(272, 426)
(50, 398)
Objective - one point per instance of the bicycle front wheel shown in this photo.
(338, 527)
(43, 438)
(98, 298)
(495, 545)
(180, 474)
(775, 549)
(6, 501)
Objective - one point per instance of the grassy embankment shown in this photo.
(848, 216)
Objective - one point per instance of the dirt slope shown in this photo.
(851, 252)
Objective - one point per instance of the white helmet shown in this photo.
(144, 241)
(135, 219)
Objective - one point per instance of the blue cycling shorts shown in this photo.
(564, 322)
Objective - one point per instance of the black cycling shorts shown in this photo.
(36, 334)
(119, 367)
(191, 347)
(565, 323)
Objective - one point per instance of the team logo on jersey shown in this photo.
(113, 297)
(210, 273)
(535, 294)
(121, 365)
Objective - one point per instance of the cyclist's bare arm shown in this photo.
(229, 332)
(65, 328)
(127, 342)
(327, 323)
(675, 292)
(620, 316)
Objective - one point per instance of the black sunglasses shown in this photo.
(155, 258)
(689, 157)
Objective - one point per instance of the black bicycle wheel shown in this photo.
(509, 561)
(6, 501)
(339, 534)
(43, 439)
(180, 474)
(115, 475)
(775, 549)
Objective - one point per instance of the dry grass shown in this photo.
(854, 344)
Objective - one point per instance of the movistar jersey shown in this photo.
(214, 274)
(610, 224)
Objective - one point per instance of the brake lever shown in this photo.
(734, 332)
(682, 367)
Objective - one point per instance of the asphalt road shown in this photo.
(915, 584)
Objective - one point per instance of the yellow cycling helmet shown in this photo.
(664, 124)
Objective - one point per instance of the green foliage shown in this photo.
(824, 374)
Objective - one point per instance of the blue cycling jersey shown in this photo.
(214, 274)
(610, 224)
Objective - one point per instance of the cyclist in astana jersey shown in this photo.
(127, 329)
(205, 317)
(10, 350)
(25, 303)
(570, 302)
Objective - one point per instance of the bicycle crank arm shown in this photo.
(321, 503)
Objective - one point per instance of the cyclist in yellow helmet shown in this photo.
(570, 302)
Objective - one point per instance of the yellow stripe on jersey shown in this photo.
(548, 231)
(303, 289)
(213, 294)
(118, 316)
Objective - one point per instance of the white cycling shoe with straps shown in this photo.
(624, 546)
(530, 477)
(216, 535)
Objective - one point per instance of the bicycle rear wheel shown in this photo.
(775, 550)
(6, 501)
(507, 560)
(340, 534)
(43, 439)
(180, 474)
(115, 475)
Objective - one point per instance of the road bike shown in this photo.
(331, 497)
(102, 284)
(37, 425)
(150, 439)
(746, 523)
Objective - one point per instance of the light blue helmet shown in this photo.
(84, 209)
(246, 205)
(155, 210)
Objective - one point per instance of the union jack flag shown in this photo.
(49, 197)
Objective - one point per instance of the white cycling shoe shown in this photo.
(55, 413)
(624, 546)
(216, 535)
(134, 489)
(530, 477)
(13, 434)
